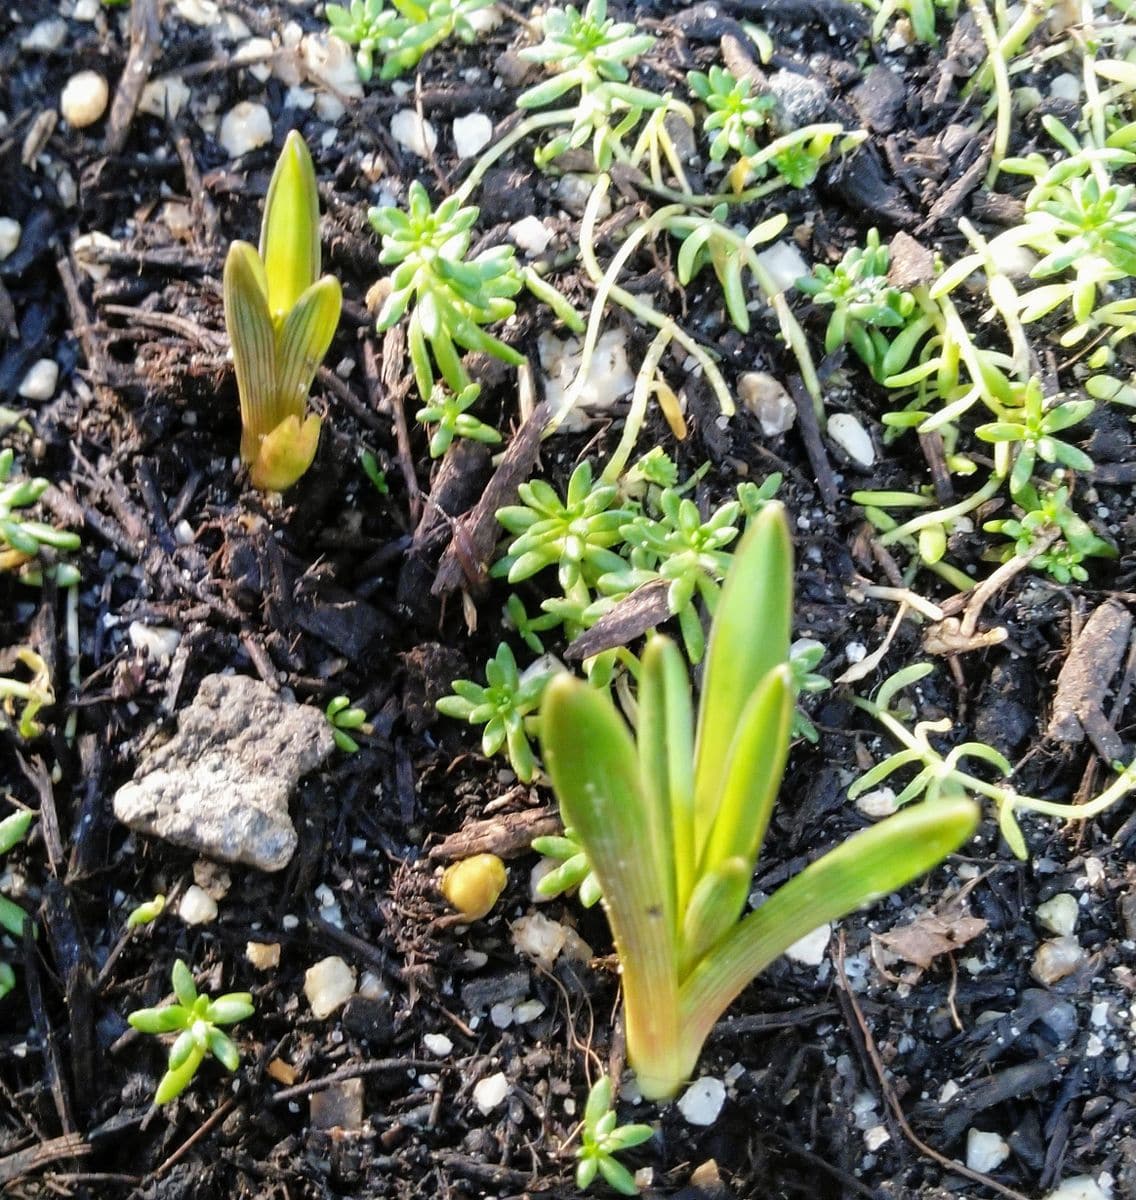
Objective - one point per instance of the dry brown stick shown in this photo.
(387, 380)
(24, 1162)
(814, 445)
(892, 1099)
(145, 47)
(201, 204)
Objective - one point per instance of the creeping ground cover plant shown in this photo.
(672, 817)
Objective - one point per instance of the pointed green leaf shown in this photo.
(716, 902)
(304, 340)
(12, 917)
(158, 1020)
(184, 988)
(14, 828)
(254, 344)
(289, 233)
(750, 637)
(173, 1083)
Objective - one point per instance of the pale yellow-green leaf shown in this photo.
(303, 341)
(254, 344)
(714, 905)
(289, 233)
(286, 453)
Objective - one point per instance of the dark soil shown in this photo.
(836, 1073)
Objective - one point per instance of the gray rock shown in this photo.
(221, 785)
(801, 99)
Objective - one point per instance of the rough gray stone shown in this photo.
(221, 784)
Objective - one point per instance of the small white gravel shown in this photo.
(985, 1152)
(847, 432)
(573, 192)
(158, 641)
(44, 37)
(9, 236)
(257, 53)
(785, 264)
(878, 803)
(876, 1137)
(372, 987)
(39, 383)
(501, 1015)
(702, 1102)
(263, 956)
(1059, 914)
(537, 936)
(438, 1044)
(245, 127)
(197, 907)
(531, 235)
(472, 133)
(527, 1010)
(84, 99)
(328, 985)
(159, 96)
(1066, 86)
(488, 1093)
(1056, 958)
(766, 398)
(1082, 1187)
(414, 132)
(810, 950)
(331, 63)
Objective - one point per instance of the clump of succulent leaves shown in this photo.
(281, 316)
(402, 34)
(23, 540)
(693, 795)
(196, 1019)
(447, 416)
(735, 111)
(601, 1140)
(24, 693)
(345, 719)
(13, 830)
(590, 53)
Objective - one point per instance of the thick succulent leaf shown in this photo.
(289, 233)
(304, 339)
(286, 453)
(158, 1020)
(174, 1082)
(592, 762)
(12, 917)
(870, 864)
(254, 344)
(184, 988)
(13, 829)
(750, 636)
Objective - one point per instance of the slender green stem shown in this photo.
(1005, 104)
(639, 401)
(943, 516)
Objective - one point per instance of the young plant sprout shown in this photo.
(589, 52)
(21, 540)
(281, 317)
(601, 1140)
(672, 820)
(13, 830)
(29, 695)
(402, 35)
(734, 112)
(450, 417)
(195, 1019)
(342, 718)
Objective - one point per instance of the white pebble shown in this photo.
(159, 641)
(784, 263)
(85, 246)
(531, 235)
(299, 97)
(809, 951)
(472, 133)
(1015, 262)
(485, 20)
(1081, 1187)
(438, 1044)
(847, 432)
(501, 1015)
(197, 907)
(183, 533)
(1059, 914)
(414, 132)
(573, 192)
(257, 52)
(9, 236)
(985, 1152)
(1055, 959)
(86, 10)
(44, 37)
(328, 985)
(527, 1010)
(245, 127)
(263, 956)
(765, 397)
(198, 12)
(371, 987)
(489, 1092)
(878, 803)
(331, 62)
(84, 99)
(876, 1137)
(702, 1102)
(39, 383)
(1066, 87)
(539, 937)
(162, 96)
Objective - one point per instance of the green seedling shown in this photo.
(343, 718)
(450, 417)
(195, 1019)
(735, 113)
(21, 540)
(13, 830)
(281, 317)
(804, 655)
(374, 472)
(601, 1140)
(573, 872)
(921, 16)
(592, 54)
(147, 912)
(941, 778)
(449, 298)
(401, 35)
(672, 819)
(506, 704)
(1043, 515)
(30, 695)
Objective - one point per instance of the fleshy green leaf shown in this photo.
(13, 829)
(289, 232)
(173, 1083)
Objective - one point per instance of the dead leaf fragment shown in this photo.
(932, 934)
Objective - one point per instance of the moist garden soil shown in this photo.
(862, 1076)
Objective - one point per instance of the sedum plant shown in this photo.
(281, 317)
(672, 819)
(601, 1140)
(448, 417)
(13, 830)
(195, 1019)
(21, 540)
(734, 112)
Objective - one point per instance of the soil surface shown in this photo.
(863, 1075)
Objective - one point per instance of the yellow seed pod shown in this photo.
(473, 885)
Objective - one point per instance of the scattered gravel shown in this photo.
(810, 950)
(702, 1102)
(472, 133)
(245, 127)
(784, 263)
(84, 99)
(197, 907)
(1081, 1187)
(158, 641)
(414, 132)
(263, 956)
(39, 383)
(9, 236)
(985, 1152)
(1055, 959)
(847, 432)
(488, 1093)
(438, 1044)
(328, 985)
(531, 235)
(766, 398)
(1059, 914)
